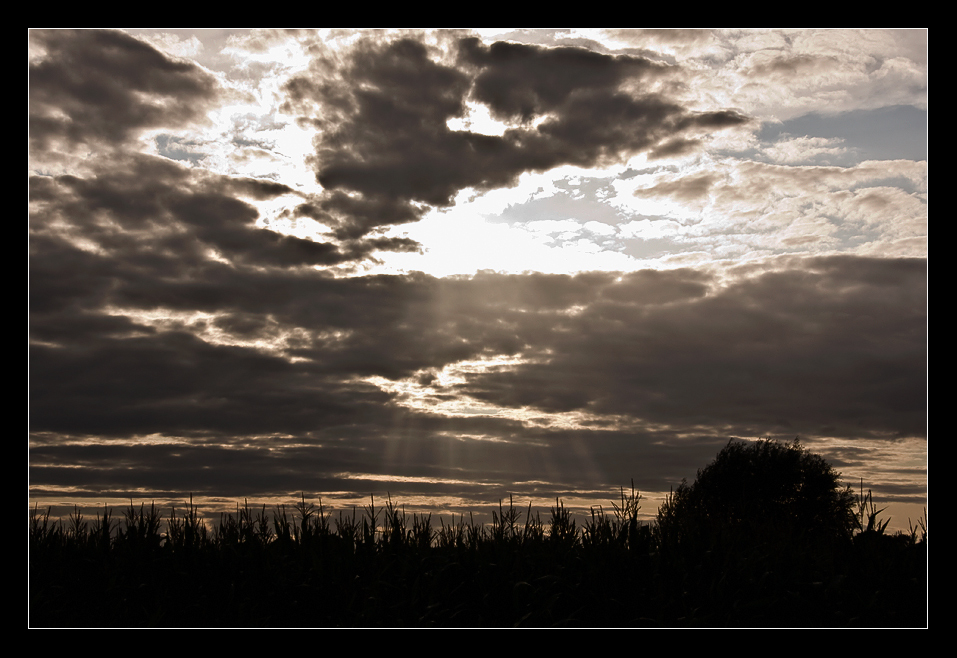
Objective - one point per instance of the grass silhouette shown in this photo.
(696, 566)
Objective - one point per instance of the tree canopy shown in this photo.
(759, 491)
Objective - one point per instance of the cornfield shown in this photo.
(303, 566)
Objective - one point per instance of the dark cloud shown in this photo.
(434, 464)
(353, 217)
(392, 139)
(159, 306)
(519, 81)
(173, 383)
(834, 346)
(674, 147)
(99, 86)
(830, 346)
(141, 208)
(826, 350)
(383, 113)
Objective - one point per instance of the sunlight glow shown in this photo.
(477, 120)
(377, 477)
(440, 397)
(266, 334)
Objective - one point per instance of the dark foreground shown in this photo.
(378, 567)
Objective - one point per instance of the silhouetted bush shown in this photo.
(761, 492)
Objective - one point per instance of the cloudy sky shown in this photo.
(454, 265)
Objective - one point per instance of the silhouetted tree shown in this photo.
(761, 492)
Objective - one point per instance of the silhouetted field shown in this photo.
(302, 567)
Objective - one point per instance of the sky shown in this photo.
(454, 266)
